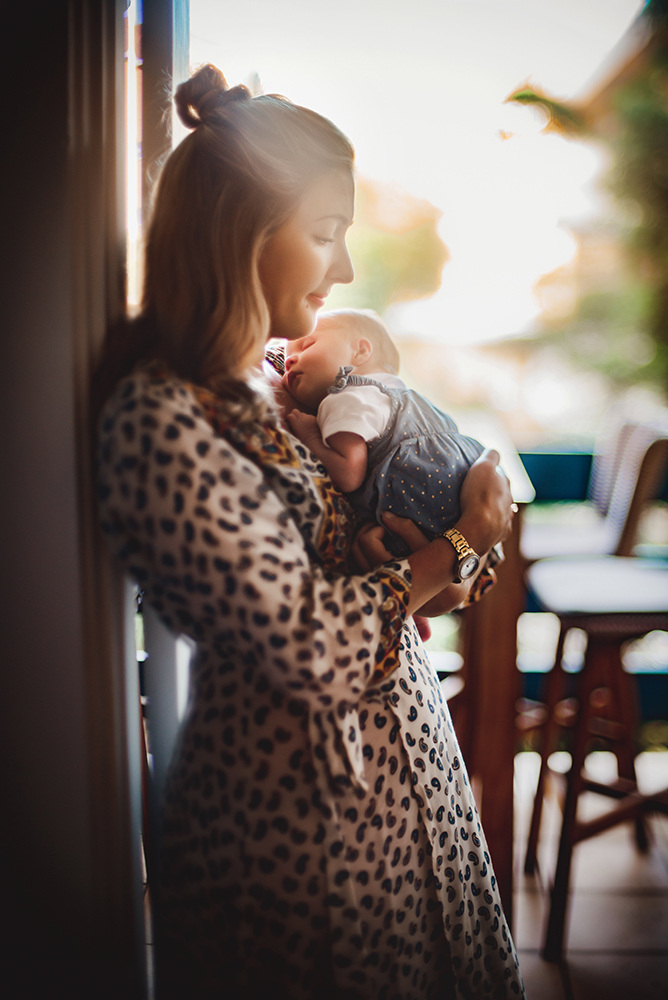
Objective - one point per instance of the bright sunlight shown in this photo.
(420, 90)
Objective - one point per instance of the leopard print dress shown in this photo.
(320, 838)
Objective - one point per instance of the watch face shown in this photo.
(468, 566)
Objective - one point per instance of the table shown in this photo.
(485, 715)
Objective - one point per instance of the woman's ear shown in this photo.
(362, 351)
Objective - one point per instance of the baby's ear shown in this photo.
(363, 351)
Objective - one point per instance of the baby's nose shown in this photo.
(290, 361)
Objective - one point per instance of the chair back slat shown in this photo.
(606, 460)
(641, 471)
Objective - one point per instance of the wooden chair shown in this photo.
(613, 600)
(625, 477)
(632, 477)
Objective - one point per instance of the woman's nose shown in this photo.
(342, 267)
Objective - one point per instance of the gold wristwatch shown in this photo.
(468, 559)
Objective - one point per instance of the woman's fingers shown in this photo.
(368, 550)
(486, 479)
(489, 455)
(407, 530)
(423, 627)
(486, 497)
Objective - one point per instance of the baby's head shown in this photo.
(355, 324)
(354, 337)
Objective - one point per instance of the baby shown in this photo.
(383, 444)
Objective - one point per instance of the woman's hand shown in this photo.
(486, 503)
(487, 514)
(452, 595)
(368, 551)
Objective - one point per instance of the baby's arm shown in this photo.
(344, 455)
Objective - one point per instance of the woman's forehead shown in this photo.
(331, 196)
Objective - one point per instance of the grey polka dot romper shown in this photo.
(320, 838)
(416, 467)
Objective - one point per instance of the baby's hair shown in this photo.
(368, 324)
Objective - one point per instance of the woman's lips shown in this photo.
(317, 300)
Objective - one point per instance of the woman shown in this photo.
(319, 834)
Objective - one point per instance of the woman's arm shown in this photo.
(344, 454)
(220, 556)
(368, 551)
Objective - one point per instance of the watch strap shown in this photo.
(461, 547)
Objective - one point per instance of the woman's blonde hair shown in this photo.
(222, 192)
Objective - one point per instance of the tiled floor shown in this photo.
(617, 936)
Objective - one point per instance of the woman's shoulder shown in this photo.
(150, 380)
(155, 406)
(149, 389)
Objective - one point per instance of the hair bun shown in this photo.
(200, 99)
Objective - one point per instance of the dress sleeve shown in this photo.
(220, 557)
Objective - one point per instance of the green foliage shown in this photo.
(639, 180)
(608, 334)
(656, 11)
(395, 248)
(559, 117)
(640, 172)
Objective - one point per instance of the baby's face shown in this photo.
(312, 364)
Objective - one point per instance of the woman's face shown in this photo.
(303, 259)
